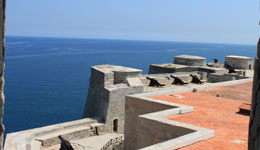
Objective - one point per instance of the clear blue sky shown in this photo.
(218, 21)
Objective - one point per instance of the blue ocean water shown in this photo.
(47, 78)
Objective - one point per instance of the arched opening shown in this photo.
(115, 125)
(250, 67)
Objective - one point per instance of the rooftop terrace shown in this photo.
(216, 108)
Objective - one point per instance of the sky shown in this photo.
(214, 21)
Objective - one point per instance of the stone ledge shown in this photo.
(195, 134)
(187, 88)
(24, 140)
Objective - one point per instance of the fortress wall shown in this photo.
(121, 76)
(155, 69)
(116, 107)
(166, 79)
(145, 119)
(151, 131)
(159, 69)
(97, 94)
(213, 70)
(215, 77)
(254, 124)
(133, 108)
(239, 62)
(147, 126)
(190, 60)
(181, 69)
(109, 85)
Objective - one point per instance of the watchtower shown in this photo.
(239, 62)
(109, 84)
(190, 60)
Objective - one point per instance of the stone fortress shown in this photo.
(125, 111)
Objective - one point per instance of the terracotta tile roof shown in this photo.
(217, 109)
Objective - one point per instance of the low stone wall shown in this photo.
(205, 70)
(147, 126)
(209, 70)
(166, 78)
(170, 68)
(121, 76)
(145, 129)
(150, 131)
(245, 73)
(38, 138)
(134, 108)
(215, 77)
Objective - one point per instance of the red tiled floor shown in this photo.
(216, 113)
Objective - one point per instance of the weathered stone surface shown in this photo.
(254, 124)
(166, 68)
(133, 82)
(176, 68)
(190, 60)
(41, 138)
(146, 126)
(134, 108)
(215, 77)
(239, 62)
(109, 85)
(2, 67)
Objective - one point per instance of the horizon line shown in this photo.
(123, 39)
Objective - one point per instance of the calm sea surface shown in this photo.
(47, 78)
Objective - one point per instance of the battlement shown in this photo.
(109, 84)
(110, 75)
(151, 110)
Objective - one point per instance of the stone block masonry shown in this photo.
(190, 60)
(215, 77)
(239, 62)
(45, 137)
(2, 67)
(147, 128)
(254, 124)
(109, 85)
(150, 123)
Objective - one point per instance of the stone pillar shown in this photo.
(254, 124)
(2, 67)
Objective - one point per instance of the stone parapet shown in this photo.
(215, 77)
(147, 126)
(190, 60)
(239, 62)
(39, 138)
(147, 123)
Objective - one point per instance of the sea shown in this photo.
(47, 79)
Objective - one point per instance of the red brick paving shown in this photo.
(216, 113)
